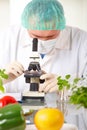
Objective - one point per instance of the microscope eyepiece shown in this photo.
(35, 45)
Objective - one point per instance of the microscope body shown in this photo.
(32, 76)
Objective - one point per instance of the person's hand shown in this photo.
(50, 84)
(13, 70)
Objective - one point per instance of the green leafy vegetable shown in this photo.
(78, 86)
(63, 82)
(79, 97)
(3, 75)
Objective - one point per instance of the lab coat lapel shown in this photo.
(47, 61)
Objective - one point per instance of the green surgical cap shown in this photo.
(43, 15)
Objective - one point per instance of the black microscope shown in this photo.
(32, 76)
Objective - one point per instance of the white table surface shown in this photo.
(73, 116)
(64, 127)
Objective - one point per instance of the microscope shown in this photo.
(32, 76)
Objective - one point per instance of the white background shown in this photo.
(75, 12)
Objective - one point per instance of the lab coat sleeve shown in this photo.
(4, 51)
(9, 40)
(8, 45)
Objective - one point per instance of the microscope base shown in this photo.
(33, 98)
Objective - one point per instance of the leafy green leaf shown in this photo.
(67, 76)
(3, 75)
(1, 83)
(76, 80)
(2, 89)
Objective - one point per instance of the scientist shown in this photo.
(62, 49)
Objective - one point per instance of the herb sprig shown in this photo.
(78, 86)
(3, 75)
(63, 82)
(79, 97)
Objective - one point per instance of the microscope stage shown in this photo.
(33, 94)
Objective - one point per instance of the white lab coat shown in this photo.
(68, 57)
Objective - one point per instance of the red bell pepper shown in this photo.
(7, 100)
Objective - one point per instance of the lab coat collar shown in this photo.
(64, 40)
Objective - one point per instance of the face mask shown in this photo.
(45, 47)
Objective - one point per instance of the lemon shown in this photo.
(49, 119)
